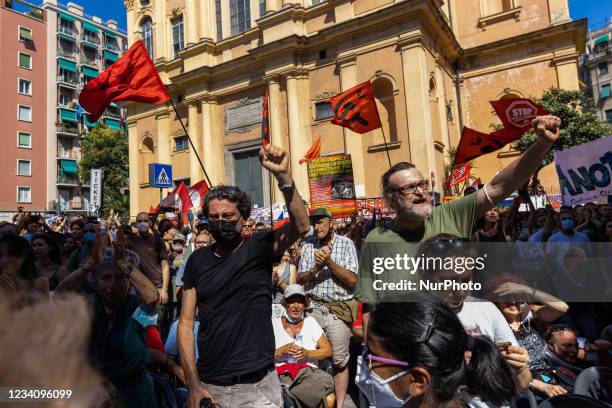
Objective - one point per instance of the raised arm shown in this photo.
(276, 160)
(142, 284)
(519, 171)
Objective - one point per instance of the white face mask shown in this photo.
(378, 391)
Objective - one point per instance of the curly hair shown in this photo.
(233, 195)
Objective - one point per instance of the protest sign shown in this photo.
(366, 207)
(584, 172)
(331, 184)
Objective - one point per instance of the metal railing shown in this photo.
(69, 154)
(69, 105)
(66, 53)
(64, 128)
(64, 178)
(90, 39)
(600, 52)
(67, 31)
(112, 47)
(89, 61)
(68, 80)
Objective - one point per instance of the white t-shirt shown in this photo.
(480, 317)
(309, 336)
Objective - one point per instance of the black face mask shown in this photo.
(223, 231)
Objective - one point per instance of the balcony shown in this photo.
(600, 52)
(67, 179)
(92, 62)
(67, 31)
(68, 154)
(70, 54)
(90, 40)
(112, 47)
(66, 80)
(68, 129)
(68, 105)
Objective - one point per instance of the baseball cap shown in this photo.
(321, 212)
(294, 289)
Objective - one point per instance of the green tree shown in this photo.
(579, 124)
(107, 149)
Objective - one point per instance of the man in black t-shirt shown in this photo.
(230, 282)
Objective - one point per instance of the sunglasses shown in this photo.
(445, 244)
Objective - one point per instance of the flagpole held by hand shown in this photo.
(190, 142)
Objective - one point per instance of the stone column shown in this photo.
(420, 134)
(159, 40)
(298, 144)
(442, 104)
(195, 172)
(207, 19)
(272, 6)
(131, 21)
(209, 155)
(226, 25)
(353, 141)
(567, 72)
(274, 111)
(191, 29)
(134, 166)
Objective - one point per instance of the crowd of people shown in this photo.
(232, 313)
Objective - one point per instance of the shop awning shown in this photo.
(110, 56)
(67, 65)
(89, 72)
(113, 124)
(90, 124)
(602, 39)
(25, 33)
(67, 17)
(69, 166)
(110, 35)
(90, 27)
(66, 37)
(605, 92)
(68, 115)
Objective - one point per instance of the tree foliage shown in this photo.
(107, 149)
(579, 123)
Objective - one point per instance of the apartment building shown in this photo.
(597, 69)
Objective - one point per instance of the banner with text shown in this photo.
(584, 172)
(367, 206)
(331, 184)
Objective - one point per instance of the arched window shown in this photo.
(147, 155)
(146, 30)
(385, 103)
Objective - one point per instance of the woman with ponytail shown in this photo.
(419, 356)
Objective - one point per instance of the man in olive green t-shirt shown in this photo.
(407, 192)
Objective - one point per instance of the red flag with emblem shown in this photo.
(184, 203)
(265, 122)
(313, 152)
(356, 109)
(517, 114)
(197, 193)
(458, 175)
(132, 77)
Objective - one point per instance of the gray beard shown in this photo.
(415, 213)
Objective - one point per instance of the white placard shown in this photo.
(95, 191)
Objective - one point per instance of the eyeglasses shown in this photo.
(412, 187)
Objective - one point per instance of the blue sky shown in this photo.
(595, 10)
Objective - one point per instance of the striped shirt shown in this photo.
(325, 286)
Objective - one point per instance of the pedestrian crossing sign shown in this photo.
(160, 175)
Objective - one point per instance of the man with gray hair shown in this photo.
(407, 192)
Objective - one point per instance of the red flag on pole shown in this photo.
(356, 109)
(313, 152)
(516, 115)
(132, 77)
(197, 193)
(183, 201)
(265, 122)
(458, 175)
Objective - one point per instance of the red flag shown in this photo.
(265, 122)
(459, 174)
(132, 77)
(474, 144)
(517, 113)
(313, 152)
(153, 210)
(183, 201)
(197, 193)
(356, 109)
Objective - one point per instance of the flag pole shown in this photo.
(386, 146)
(271, 212)
(191, 142)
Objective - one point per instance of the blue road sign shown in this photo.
(160, 175)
